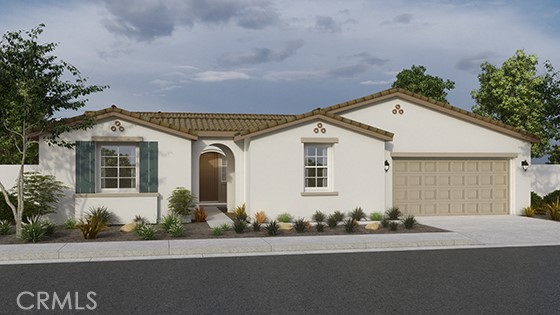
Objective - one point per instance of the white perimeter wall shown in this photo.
(276, 172)
(545, 178)
(422, 130)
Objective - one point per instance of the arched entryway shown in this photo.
(215, 175)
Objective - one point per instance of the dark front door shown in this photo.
(209, 177)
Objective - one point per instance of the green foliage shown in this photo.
(140, 219)
(101, 213)
(35, 87)
(217, 230)
(332, 221)
(376, 216)
(537, 203)
(239, 226)
(240, 213)
(417, 81)
(339, 216)
(358, 214)
(256, 226)
(528, 211)
(515, 95)
(272, 228)
(70, 223)
(319, 216)
(181, 201)
(393, 226)
(172, 224)
(5, 227)
(409, 221)
(350, 225)
(385, 222)
(285, 217)
(393, 213)
(225, 227)
(300, 225)
(145, 231)
(34, 230)
(551, 197)
(49, 227)
(320, 227)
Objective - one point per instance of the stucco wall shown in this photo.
(422, 130)
(174, 166)
(276, 172)
(545, 178)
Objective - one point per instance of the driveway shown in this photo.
(500, 230)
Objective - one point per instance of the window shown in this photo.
(118, 166)
(316, 166)
(223, 169)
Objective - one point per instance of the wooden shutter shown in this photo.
(85, 167)
(148, 166)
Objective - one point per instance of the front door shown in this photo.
(209, 177)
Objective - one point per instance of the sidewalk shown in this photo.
(466, 232)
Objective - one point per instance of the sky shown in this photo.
(285, 57)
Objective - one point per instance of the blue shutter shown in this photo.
(148, 167)
(85, 167)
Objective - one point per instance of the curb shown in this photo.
(232, 246)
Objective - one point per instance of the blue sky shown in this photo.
(289, 56)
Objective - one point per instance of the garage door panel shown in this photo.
(451, 186)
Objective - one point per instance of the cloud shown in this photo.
(294, 75)
(366, 58)
(219, 76)
(349, 71)
(146, 20)
(405, 18)
(262, 55)
(327, 23)
(473, 62)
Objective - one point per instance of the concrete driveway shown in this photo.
(500, 230)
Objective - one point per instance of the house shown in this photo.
(392, 148)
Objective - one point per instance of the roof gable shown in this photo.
(434, 105)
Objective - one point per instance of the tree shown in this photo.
(33, 89)
(516, 95)
(417, 81)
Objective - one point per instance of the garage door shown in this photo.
(451, 186)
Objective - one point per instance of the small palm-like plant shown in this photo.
(284, 217)
(358, 214)
(239, 226)
(200, 215)
(260, 217)
(319, 216)
(181, 201)
(393, 213)
(240, 213)
(5, 227)
(529, 211)
(553, 209)
(300, 225)
(332, 221)
(350, 225)
(409, 221)
(339, 216)
(272, 228)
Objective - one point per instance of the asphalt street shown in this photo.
(522, 280)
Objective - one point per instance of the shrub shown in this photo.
(550, 198)
(225, 227)
(36, 229)
(393, 225)
(140, 219)
(339, 216)
(385, 222)
(376, 216)
(217, 230)
(538, 204)
(300, 225)
(181, 201)
(260, 217)
(358, 214)
(393, 213)
(350, 225)
(200, 215)
(256, 226)
(553, 210)
(409, 221)
(272, 228)
(145, 231)
(169, 221)
(528, 211)
(239, 226)
(320, 227)
(332, 221)
(5, 227)
(319, 216)
(176, 229)
(240, 213)
(284, 217)
(101, 213)
(70, 223)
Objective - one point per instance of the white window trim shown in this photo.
(98, 146)
(320, 191)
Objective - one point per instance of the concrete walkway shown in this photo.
(215, 217)
(465, 232)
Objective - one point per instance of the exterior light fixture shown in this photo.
(525, 165)
(387, 165)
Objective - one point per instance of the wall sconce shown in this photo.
(387, 165)
(525, 165)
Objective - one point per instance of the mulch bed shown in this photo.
(203, 231)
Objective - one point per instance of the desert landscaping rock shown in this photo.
(129, 227)
(284, 226)
(374, 226)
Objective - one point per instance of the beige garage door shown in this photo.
(451, 186)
